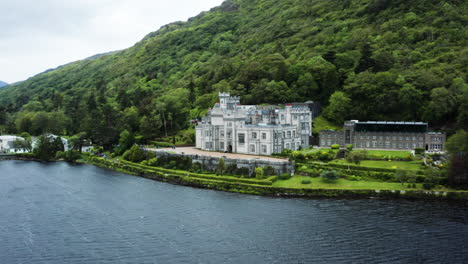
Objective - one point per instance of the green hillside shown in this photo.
(371, 59)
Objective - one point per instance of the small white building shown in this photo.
(7, 144)
(64, 141)
(252, 129)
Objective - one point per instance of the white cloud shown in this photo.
(38, 35)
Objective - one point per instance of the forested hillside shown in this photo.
(363, 59)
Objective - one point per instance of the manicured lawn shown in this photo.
(395, 153)
(405, 165)
(305, 151)
(317, 183)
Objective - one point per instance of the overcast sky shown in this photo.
(39, 35)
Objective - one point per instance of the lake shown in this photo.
(66, 213)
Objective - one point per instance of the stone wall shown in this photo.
(210, 163)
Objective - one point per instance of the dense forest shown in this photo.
(362, 59)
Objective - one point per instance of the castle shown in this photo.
(253, 129)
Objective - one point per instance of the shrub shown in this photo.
(71, 155)
(335, 146)
(297, 156)
(221, 168)
(355, 157)
(428, 185)
(259, 173)
(306, 181)
(329, 176)
(284, 176)
(134, 154)
(152, 162)
(159, 144)
(349, 147)
(197, 167)
(419, 151)
(269, 170)
(355, 178)
(244, 172)
(272, 178)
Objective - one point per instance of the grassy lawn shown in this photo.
(321, 123)
(405, 165)
(317, 183)
(395, 153)
(305, 151)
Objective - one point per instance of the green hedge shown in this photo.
(202, 176)
(357, 171)
(161, 144)
(354, 167)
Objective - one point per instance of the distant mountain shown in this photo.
(362, 59)
(2, 84)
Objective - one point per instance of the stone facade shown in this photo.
(385, 135)
(251, 129)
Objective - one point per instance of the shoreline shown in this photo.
(272, 191)
(268, 190)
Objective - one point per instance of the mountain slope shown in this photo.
(380, 59)
(2, 84)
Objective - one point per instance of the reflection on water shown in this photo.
(62, 213)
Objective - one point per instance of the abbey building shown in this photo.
(385, 135)
(253, 129)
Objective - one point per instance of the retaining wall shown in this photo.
(210, 163)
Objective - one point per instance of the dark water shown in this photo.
(62, 213)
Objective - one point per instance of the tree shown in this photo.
(47, 147)
(457, 147)
(221, 168)
(134, 154)
(329, 175)
(401, 175)
(77, 141)
(23, 144)
(126, 141)
(259, 173)
(356, 156)
(338, 109)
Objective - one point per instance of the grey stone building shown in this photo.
(385, 135)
